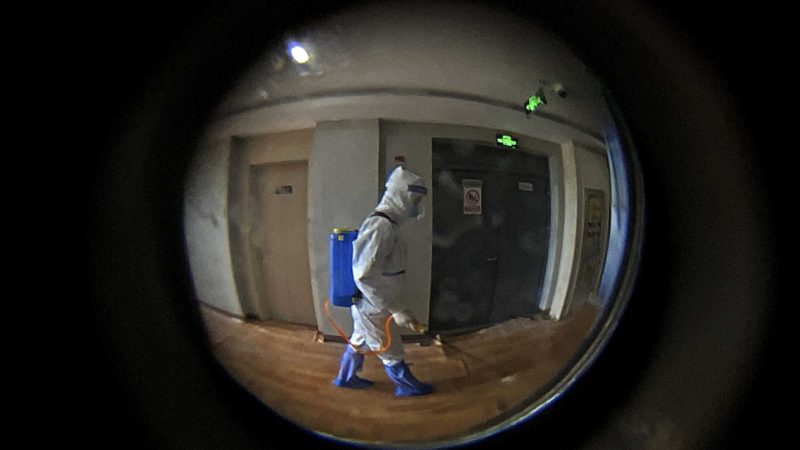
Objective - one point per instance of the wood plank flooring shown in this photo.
(492, 372)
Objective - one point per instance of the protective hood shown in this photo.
(404, 193)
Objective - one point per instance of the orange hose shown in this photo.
(344, 336)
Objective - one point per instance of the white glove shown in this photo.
(405, 319)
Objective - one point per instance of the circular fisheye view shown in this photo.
(412, 225)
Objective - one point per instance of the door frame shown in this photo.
(247, 151)
(550, 191)
(264, 304)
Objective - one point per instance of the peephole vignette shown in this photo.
(419, 223)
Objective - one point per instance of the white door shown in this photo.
(280, 246)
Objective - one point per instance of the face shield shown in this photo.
(417, 195)
(418, 209)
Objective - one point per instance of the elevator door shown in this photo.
(523, 244)
(488, 256)
(464, 250)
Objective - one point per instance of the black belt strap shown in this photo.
(380, 214)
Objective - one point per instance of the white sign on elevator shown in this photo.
(473, 196)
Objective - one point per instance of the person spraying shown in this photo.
(379, 263)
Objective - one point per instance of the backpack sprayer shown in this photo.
(343, 290)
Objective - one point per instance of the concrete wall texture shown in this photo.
(343, 180)
(206, 226)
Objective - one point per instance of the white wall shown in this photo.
(583, 168)
(562, 268)
(206, 226)
(343, 180)
(592, 168)
(593, 173)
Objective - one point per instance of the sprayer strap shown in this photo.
(380, 214)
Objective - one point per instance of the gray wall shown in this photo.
(206, 226)
(343, 180)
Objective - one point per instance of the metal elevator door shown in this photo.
(491, 215)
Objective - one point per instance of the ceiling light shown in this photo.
(299, 54)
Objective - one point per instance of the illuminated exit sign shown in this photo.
(506, 140)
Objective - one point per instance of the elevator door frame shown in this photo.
(538, 168)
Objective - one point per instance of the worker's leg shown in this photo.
(395, 366)
(352, 361)
(406, 384)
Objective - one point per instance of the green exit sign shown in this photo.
(507, 140)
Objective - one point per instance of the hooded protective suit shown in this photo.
(379, 264)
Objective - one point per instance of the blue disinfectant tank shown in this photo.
(343, 287)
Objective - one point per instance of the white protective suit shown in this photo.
(379, 264)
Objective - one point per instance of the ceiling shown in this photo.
(450, 48)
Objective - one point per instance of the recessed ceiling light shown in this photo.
(299, 54)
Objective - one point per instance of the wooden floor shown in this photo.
(500, 367)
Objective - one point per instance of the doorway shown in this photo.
(491, 232)
(279, 240)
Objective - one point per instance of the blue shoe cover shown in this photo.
(348, 368)
(405, 383)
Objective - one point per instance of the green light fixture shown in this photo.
(535, 101)
(506, 140)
